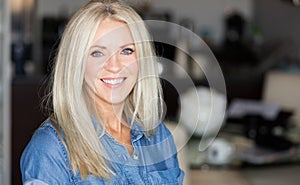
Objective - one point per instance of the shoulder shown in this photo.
(45, 139)
(163, 128)
(45, 152)
(162, 132)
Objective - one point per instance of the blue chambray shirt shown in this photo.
(153, 162)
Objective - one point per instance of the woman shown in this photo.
(107, 105)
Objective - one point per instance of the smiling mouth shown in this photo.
(113, 81)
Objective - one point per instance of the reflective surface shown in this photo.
(1, 94)
(4, 94)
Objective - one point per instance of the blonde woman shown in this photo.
(105, 127)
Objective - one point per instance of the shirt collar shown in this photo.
(137, 131)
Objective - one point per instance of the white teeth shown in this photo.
(113, 81)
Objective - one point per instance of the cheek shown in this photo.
(91, 71)
(133, 68)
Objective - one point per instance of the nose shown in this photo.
(113, 64)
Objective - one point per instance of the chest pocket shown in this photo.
(173, 176)
(92, 180)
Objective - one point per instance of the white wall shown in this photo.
(277, 19)
(57, 7)
(207, 14)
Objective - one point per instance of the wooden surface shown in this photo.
(271, 175)
(218, 177)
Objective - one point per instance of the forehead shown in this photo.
(110, 31)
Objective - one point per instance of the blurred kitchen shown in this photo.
(256, 44)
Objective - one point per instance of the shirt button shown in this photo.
(135, 157)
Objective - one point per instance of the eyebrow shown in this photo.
(125, 45)
(98, 46)
(104, 47)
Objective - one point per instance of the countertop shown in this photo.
(271, 175)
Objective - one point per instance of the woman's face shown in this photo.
(112, 66)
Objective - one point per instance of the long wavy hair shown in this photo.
(71, 104)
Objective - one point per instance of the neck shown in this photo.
(111, 116)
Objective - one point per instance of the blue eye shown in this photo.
(127, 51)
(97, 54)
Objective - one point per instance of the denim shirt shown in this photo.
(154, 160)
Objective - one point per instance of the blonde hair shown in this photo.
(71, 103)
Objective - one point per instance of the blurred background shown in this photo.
(255, 42)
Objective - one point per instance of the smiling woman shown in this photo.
(105, 125)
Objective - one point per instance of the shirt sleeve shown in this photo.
(44, 160)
